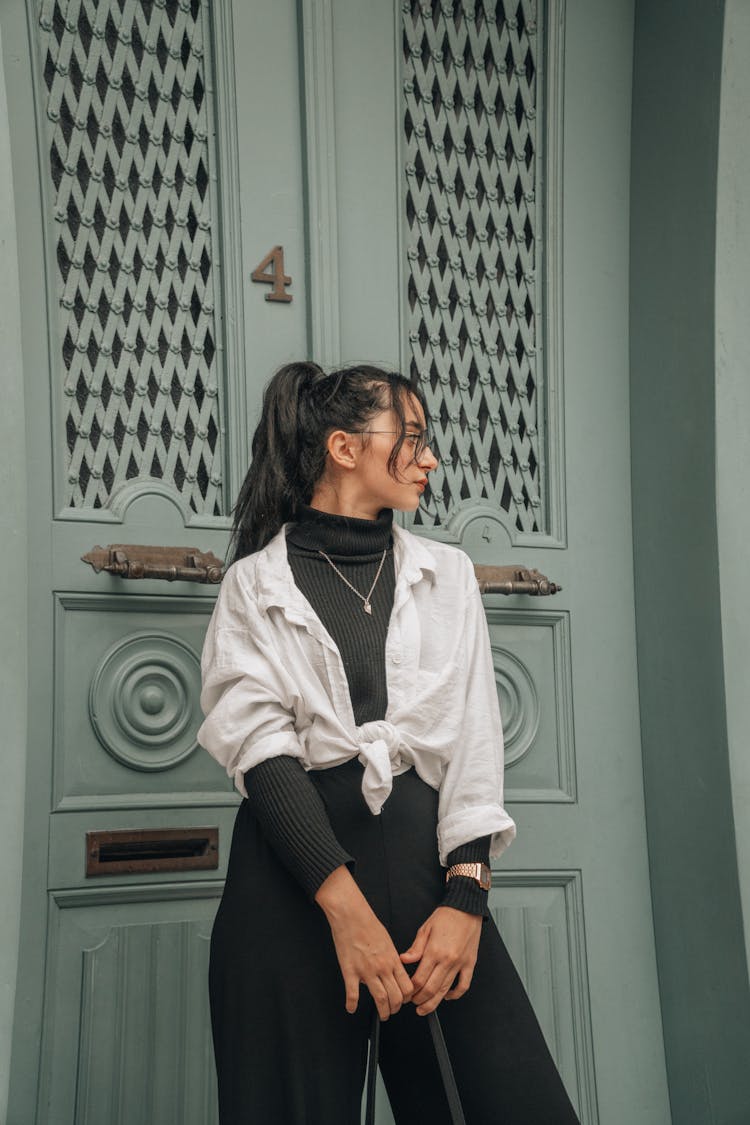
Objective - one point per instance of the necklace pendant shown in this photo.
(366, 600)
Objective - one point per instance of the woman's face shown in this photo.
(402, 490)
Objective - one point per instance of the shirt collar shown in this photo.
(276, 585)
(412, 556)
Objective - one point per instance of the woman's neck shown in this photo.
(344, 503)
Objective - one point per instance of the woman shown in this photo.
(349, 691)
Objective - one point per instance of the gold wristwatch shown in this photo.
(478, 871)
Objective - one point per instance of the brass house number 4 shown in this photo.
(271, 272)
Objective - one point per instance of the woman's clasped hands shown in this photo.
(444, 951)
(445, 948)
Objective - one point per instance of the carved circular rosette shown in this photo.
(519, 704)
(144, 701)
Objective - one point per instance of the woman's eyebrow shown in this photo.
(413, 422)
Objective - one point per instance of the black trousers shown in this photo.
(288, 1053)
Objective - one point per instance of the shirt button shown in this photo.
(396, 658)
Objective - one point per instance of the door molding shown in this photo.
(13, 598)
(319, 139)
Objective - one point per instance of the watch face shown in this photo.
(485, 877)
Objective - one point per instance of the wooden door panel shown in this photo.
(127, 701)
(127, 1030)
(540, 915)
(531, 652)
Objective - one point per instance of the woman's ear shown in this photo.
(343, 449)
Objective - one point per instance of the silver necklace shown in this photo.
(367, 606)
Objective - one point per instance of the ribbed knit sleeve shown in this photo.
(462, 892)
(294, 820)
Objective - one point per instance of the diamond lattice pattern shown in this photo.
(472, 162)
(129, 148)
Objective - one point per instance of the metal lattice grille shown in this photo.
(129, 163)
(472, 161)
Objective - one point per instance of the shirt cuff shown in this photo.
(472, 823)
(464, 893)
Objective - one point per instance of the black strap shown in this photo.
(444, 1062)
(446, 1070)
(372, 1066)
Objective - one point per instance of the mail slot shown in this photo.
(138, 851)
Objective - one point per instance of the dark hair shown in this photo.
(302, 405)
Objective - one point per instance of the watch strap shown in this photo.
(480, 872)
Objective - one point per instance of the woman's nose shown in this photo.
(427, 459)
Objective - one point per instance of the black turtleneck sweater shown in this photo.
(284, 799)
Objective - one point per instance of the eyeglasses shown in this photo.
(417, 442)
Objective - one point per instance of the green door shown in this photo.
(433, 218)
(157, 154)
(483, 242)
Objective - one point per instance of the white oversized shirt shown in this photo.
(274, 683)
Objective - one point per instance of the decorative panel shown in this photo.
(125, 982)
(128, 1034)
(472, 154)
(531, 654)
(130, 160)
(540, 917)
(127, 707)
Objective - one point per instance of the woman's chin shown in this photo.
(407, 504)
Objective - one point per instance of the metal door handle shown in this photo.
(187, 564)
(172, 564)
(514, 580)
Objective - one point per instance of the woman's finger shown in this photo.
(417, 947)
(425, 969)
(404, 982)
(395, 997)
(380, 997)
(351, 985)
(430, 1005)
(462, 985)
(439, 981)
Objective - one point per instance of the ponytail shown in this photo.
(301, 406)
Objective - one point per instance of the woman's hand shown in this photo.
(446, 947)
(364, 948)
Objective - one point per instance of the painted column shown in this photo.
(677, 434)
(733, 413)
(13, 685)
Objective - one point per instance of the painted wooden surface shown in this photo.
(115, 664)
(567, 668)
(732, 412)
(13, 686)
(692, 427)
(129, 975)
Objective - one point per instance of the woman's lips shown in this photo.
(422, 484)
